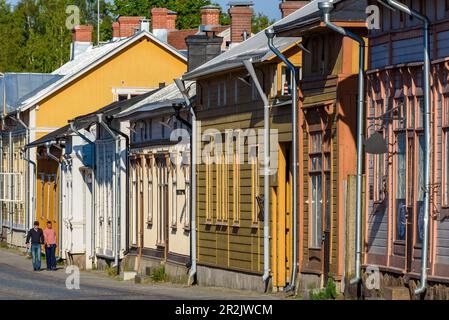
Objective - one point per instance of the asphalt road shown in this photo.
(18, 281)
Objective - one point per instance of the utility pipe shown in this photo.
(116, 137)
(266, 182)
(326, 8)
(193, 269)
(270, 35)
(61, 161)
(93, 209)
(426, 76)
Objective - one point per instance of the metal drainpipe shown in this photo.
(326, 8)
(117, 191)
(93, 222)
(11, 188)
(266, 182)
(61, 181)
(426, 31)
(193, 269)
(270, 35)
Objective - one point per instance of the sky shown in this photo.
(268, 7)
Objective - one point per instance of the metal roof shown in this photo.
(89, 60)
(347, 11)
(55, 136)
(161, 99)
(18, 87)
(255, 47)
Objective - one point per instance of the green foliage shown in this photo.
(188, 10)
(328, 293)
(261, 22)
(159, 275)
(111, 271)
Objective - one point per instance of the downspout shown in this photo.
(326, 8)
(266, 178)
(61, 162)
(270, 35)
(93, 221)
(193, 269)
(426, 31)
(117, 191)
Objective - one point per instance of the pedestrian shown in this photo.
(36, 236)
(50, 246)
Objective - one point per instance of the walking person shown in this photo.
(50, 246)
(35, 240)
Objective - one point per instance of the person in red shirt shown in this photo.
(50, 246)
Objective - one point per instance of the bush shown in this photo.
(328, 293)
(159, 275)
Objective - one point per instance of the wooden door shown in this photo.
(282, 219)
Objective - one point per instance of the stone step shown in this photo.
(397, 293)
(128, 275)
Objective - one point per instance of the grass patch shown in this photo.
(328, 293)
(159, 275)
(111, 271)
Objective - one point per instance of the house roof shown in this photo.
(17, 87)
(111, 109)
(56, 135)
(255, 48)
(89, 60)
(165, 97)
(348, 11)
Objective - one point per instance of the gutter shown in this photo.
(193, 255)
(326, 8)
(426, 76)
(270, 35)
(94, 229)
(266, 178)
(117, 191)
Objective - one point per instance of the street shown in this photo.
(18, 281)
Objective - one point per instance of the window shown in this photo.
(122, 94)
(186, 171)
(236, 181)
(445, 103)
(402, 113)
(320, 185)
(209, 190)
(221, 93)
(174, 177)
(401, 208)
(420, 123)
(149, 170)
(421, 191)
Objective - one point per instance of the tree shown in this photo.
(188, 10)
(261, 22)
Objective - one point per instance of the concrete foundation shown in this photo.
(392, 286)
(214, 277)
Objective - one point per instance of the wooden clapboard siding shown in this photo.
(221, 243)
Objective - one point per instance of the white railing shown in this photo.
(11, 187)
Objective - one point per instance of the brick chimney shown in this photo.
(288, 7)
(210, 16)
(162, 21)
(81, 40)
(128, 26)
(201, 48)
(241, 13)
(115, 31)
